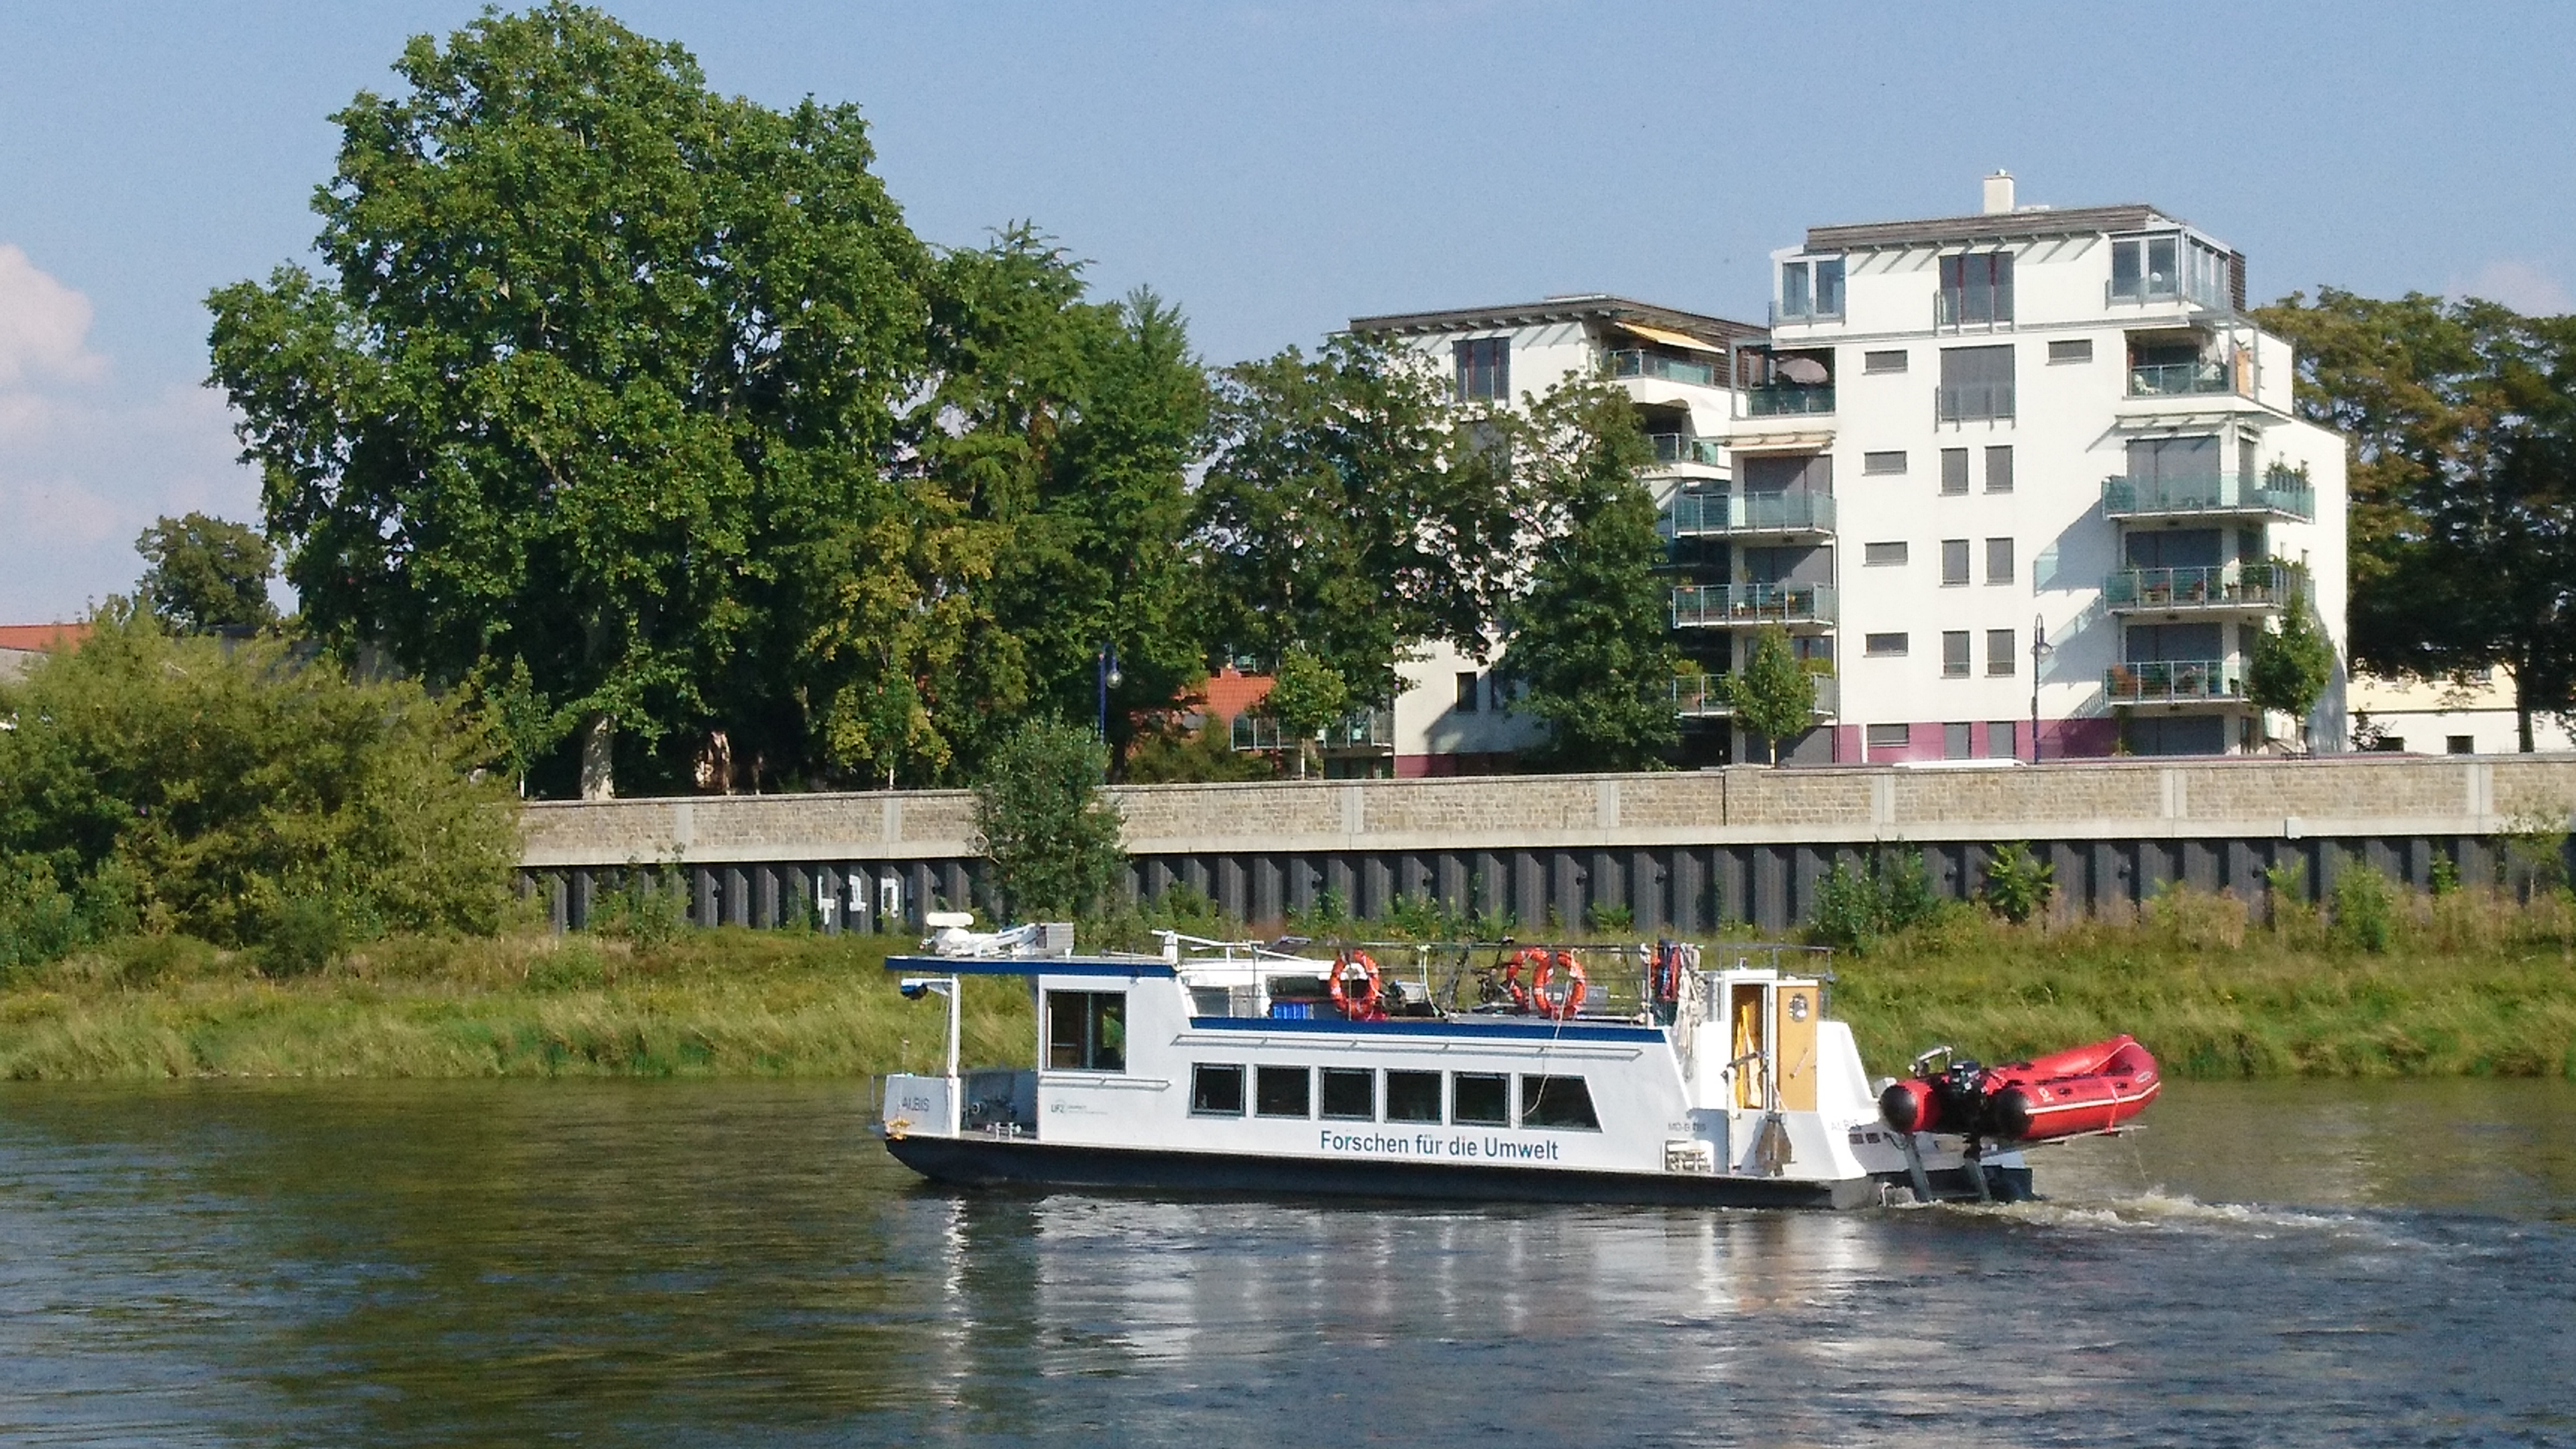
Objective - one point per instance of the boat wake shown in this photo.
(2156, 1210)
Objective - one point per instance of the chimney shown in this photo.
(1999, 193)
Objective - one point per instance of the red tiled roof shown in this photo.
(42, 636)
(1229, 694)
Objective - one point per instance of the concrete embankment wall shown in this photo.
(1681, 851)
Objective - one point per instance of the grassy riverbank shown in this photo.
(2467, 985)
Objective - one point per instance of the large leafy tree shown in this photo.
(2463, 532)
(1589, 640)
(1352, 509)
(602, 379)
(206, 575)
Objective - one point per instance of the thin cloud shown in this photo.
(2523, 286)
(44, 327)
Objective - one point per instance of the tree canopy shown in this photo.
(2461, 418)
(206, 575)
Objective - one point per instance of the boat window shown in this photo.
(1216, 1091)
(1350, 1092)
(1481, 1099)
(1413, 1096)
(1282, 1091)
(1087, 1031)
(1557, 1102)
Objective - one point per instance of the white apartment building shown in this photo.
(2021, 466)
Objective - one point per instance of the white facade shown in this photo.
(1960, 436)
(2439, 716)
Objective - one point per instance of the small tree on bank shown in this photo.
(1305, 697)
(2291, 665)
(1773, 695)
(1051, 834)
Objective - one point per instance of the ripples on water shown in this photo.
(737, 1263)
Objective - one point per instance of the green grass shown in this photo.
(2470, 984)
(717, 1003)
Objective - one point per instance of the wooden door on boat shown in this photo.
(1795, 1007)
(1750, 1047)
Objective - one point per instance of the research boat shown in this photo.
(1227, 1067)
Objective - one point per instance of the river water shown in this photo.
(738, 1263)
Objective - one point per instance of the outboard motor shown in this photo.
(1953, 1099)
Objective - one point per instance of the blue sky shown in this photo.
(1278, 168)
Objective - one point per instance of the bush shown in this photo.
(2019, 885)
(2365, 910)
(233, 793)
(1856, 907)
(1051, 834)
(645, 912)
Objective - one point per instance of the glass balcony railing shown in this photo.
(1788, 400)
(2181, 379)
(2221, 586)
(1636, 362)
(1719, 606)
(2174, 681)
(1365, 729)
(1973, 401)
(1683, 448)
(1720, 515)
(1703, 696)
(2275, 490)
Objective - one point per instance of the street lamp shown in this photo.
(1107, 663)
(2040, 649)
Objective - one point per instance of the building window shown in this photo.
(1281, 1091)
(1412, 1096)
(1891, 360)
(2461, 744)
(1999, 472)
(1466, 691)
(1480, 1099)
(1954, 654)
(1560, 1102)
(2003, 740)
(1976, 288)
(1999, 560)
(1882, 555)
(1885, 738)
(1954, 740)
(1882, 463)
(1216, 1091)
(1954, 562)
(1811, 288)
(1976, 384)
(1883, 646)
(1087, 1031)
(1350, 1094)
(2000, 652)
(1485, 369)
(2075, 349)
(1954, 470)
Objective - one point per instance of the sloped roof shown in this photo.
(42, 636)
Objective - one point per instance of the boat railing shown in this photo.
(1468, 976)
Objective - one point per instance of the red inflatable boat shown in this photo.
(2065, 1094)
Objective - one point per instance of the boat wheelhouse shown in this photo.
(1236, 1067)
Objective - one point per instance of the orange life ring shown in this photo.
(1543, 1001)
(1358, 1006)
(1537, 961)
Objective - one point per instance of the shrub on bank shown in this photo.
(241, 793)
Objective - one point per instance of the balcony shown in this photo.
(1788, 400)
(1973, 402)
(1744, 606)
(1723, 515)
(1682, 448)
(2221, 588)
(1703, 696)
(2182, 379)
(2277, 492)
(1636, 362)
(2174, 681)
(1362, 731)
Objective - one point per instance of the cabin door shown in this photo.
(1750, 1045)
(1795, 1006)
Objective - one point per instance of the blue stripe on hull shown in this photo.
(986, 1162)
